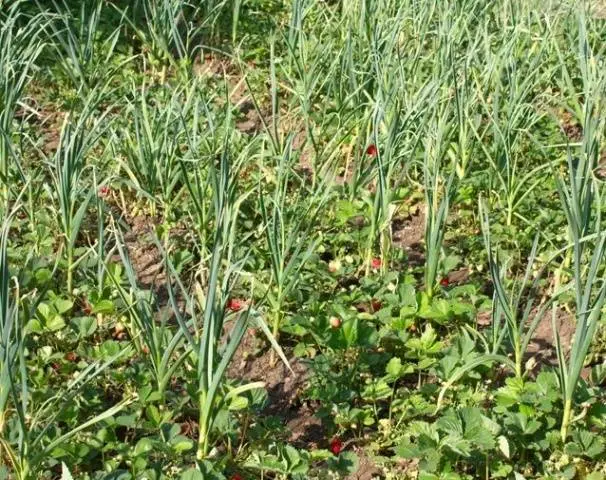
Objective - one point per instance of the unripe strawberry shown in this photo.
(334, 266)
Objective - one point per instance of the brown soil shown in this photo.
(144, 255)
(408, 233)
(570, 127)
(367, 470)
(542, 345)
(46, 118)
(484, 318)
(599, 9)
(221, 68)
(459, 277)
(574, 132)
(279, 380)
(283, 387)
(51, 123)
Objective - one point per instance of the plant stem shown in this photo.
(369, 248)
(509, 212)
(244, 431)
(367, 261)
(276, 329)
(566, 419)
(70, 261)
(518, 355)
(163, 75)
(202, 425)
(487, 472)
(385, 250)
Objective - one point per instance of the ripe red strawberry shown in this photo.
(375, 263)
(445, 282)
(71, 357)
(87, 308)
(336, 446)
(237, 476)
(104, 192)
(235, 304)
(372, 150)
(375, 305)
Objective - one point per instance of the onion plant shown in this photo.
(382, 203)
(9, 325)
(101, 253)
(397, 122)
(517, 306)
(465, 100)
(289, 215)
(202, 138)
(150, 329)
(440, 186)
(153, 150)
(162, 18)
(514, 73)
(205, 318)
(578, 196)
(168, 32)
(20, 46)
(203, 131)
(79, 134)
(161, 30)
(582, 202)
(397, 130)
(84, 53)
(289, 207)
(307, 73)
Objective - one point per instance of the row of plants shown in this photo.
(413, 221)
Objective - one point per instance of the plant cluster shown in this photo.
(302, 240)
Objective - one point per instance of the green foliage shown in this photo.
(397, 199)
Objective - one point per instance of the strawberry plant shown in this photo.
(302, 240)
